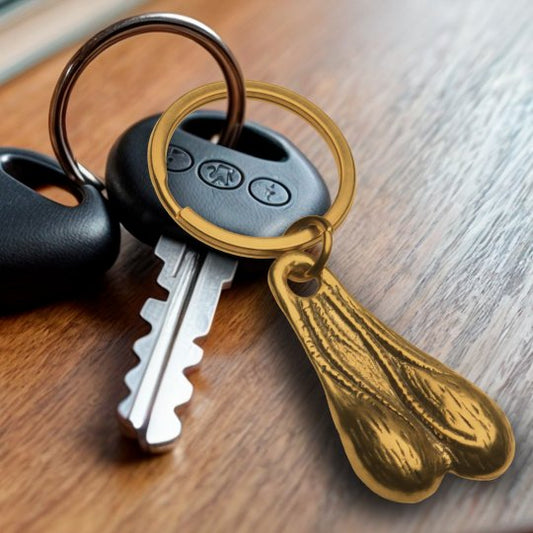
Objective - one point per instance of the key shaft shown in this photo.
(158, 384)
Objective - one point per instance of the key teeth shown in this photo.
(183, 394)
(196, 354)
(168, 249)
(134, 374)
(160, 441)
(152, 418)
(131, 377)
(152, 310)
(165, 278)
(171, 253)
(141, 347)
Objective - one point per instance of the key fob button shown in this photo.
(178, 159)
(220, 174)
(269, 192)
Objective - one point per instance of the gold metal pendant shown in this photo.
(404, 419)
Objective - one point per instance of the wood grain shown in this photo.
(435, 99)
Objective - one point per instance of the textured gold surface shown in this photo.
(404, 418)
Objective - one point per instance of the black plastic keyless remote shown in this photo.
(258, 188)
(48, 250)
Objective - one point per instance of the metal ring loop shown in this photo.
(220, 238)
(326, 234)
(148, 22)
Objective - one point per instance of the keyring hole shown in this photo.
(305, 289)
(302, 272)
(43, 179)
(250, 142)
(57, 194)
(299, 275)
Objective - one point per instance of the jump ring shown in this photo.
(326, 234)
(148, 22)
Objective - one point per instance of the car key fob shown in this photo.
(47, 249)
(265, 179)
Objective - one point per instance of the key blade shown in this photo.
(177, 274)
(158, 384)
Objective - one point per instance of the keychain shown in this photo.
(404, 419)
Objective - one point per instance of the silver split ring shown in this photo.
(148, 22)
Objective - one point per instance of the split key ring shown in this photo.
(299, 238)
(162, 22)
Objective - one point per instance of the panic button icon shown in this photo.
(269, 192)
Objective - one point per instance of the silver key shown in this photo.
(158, 384)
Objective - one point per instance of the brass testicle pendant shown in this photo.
(404, 419)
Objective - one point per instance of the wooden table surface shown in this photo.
(435, 99)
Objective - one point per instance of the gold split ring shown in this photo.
(222, 239)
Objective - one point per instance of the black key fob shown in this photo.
(49, 250)
(259, 188)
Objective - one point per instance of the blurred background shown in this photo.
(30, 30)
